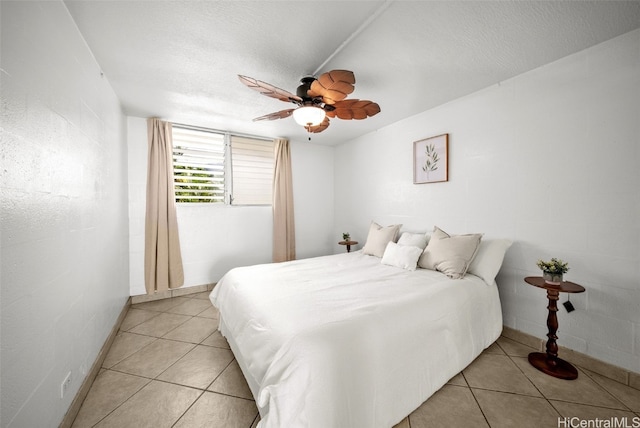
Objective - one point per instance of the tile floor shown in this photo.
(170, 367)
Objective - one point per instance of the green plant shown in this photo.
(346, 236)
(554, 266)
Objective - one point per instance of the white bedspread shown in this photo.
(344, 341)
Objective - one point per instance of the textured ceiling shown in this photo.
(179, 60)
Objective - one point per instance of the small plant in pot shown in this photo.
(553, 270)
(346, 236)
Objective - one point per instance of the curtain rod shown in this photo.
(236, 134)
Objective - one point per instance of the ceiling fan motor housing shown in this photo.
(303, 89)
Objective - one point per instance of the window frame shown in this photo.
(228, 199)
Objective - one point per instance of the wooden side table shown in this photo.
(348, 244)
(549, 363)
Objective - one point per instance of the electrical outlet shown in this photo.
(66, 383)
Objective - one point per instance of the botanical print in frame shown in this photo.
(431, 159)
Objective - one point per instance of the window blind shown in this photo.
(198, 165)
(252, 163)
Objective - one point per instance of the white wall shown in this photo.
(216, 238)
(312, 170)
(64, 276)
(548, 159)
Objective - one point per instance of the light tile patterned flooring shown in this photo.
(170, 367)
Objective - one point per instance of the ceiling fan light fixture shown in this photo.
(308, 115)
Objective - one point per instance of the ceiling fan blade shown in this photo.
(354, 109)
(282, 114)
(269, 90)
(319, 128)
(333, 86)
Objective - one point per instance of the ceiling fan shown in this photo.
(317, 100)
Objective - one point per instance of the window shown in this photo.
(209, 165)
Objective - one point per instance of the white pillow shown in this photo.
(379, 237)
(450, 254)
(487, 262)
(402, 256)
(414, 239)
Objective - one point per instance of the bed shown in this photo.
(348, 341)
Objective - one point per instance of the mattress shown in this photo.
(345, 341)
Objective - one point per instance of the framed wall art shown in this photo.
(431, 159)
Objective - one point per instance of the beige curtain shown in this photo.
(162, 258)
(284, 235)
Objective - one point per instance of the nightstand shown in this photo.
(348, 244)
(549, 363)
